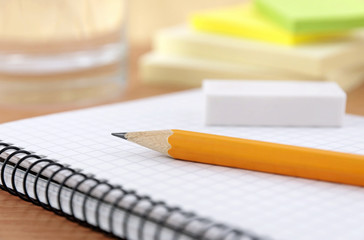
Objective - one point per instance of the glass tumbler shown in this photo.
(61, 52)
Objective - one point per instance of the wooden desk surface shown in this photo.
(23, 220)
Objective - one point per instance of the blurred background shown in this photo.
(146, 17)
(57, 55)
(63, 54)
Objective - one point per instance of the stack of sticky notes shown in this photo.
(264, 39)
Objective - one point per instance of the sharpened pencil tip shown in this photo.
(120, 135)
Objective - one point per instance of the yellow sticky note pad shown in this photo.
(244, 21)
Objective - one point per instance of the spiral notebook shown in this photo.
(70, 164)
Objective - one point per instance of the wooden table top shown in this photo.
(23, 220)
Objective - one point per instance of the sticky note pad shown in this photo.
(315, 60)
(162, 69)
(244, 21)
(173, 70)
(273, 103)
(310, 16)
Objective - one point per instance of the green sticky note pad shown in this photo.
(312, 16)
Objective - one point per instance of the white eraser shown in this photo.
(273, 103)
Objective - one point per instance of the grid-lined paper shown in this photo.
(277, 206)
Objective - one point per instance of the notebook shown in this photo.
(136, 193)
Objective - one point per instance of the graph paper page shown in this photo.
(280, 207)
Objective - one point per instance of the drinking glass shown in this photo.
(61, 52)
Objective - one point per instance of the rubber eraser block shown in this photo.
(311, 16)
(273, 103)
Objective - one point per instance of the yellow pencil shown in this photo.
(253, 155)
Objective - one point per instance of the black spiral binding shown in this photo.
(226, 232)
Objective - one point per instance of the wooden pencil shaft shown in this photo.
(156, 140)
(259, 156)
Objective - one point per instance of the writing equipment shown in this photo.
(150, 196)
(310, 16)
(244, 21)
(273, 103)
(253, 155)
(312, 60)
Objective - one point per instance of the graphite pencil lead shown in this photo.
(120, 135)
